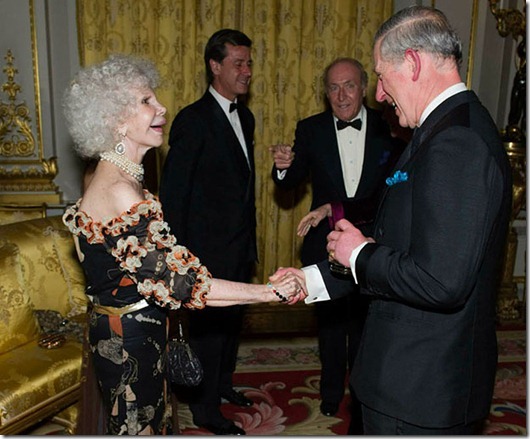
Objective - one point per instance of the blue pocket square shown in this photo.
(398, 177)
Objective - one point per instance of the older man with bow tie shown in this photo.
(347, 152)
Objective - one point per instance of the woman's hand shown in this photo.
(313, 218)
(290, 283)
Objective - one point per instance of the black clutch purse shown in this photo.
(185, 369)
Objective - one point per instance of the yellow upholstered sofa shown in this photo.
(39, 275)
(13, 213)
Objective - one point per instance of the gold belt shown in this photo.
(118, 311)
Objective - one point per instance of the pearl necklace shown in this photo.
(125, 164)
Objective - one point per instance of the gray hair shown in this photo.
(352, 61)
(419, 28)
(102, 97)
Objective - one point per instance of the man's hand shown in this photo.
(313, 218)
(300, 276)
(343, 240)
(282, 154)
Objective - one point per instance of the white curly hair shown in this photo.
(101, 97)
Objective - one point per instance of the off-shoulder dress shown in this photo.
(135, 272)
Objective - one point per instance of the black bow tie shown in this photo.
(355, 124)
(233, 107)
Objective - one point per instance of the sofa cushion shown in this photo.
(17, 322)
(50, 268)
(31, 375)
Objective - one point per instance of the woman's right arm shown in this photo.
(173, 277)
(226, 293)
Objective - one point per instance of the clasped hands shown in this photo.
(341, 243)
(290, 283)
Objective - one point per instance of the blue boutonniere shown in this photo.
(398, 177)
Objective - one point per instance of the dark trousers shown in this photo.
(214, 337)
(378, 424)
(340, 325)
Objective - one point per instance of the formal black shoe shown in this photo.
(225, 430)
(329, 408)
(237, 398)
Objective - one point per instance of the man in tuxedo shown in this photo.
(207, 194)
(346, 152)
(427, 359)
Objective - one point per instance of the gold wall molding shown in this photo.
(15, 120)
(513, 22)
(472, 43)
(26, 177)
(509, 21)
(30, 178)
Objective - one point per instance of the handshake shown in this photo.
(288, 284)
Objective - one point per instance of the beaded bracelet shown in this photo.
(278, 294)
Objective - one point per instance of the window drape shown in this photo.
(293, 41)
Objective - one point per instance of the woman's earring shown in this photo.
(119, 148)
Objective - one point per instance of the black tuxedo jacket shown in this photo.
(428, 353)
(207, 186)
(317, 157)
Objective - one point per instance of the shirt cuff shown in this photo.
(353, 259)
(281, 174)
(316, 288)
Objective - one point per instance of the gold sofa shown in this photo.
(38, 271)
(13, 213)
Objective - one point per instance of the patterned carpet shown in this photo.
(282, 377)
(508, 410)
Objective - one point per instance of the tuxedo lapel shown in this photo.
(400, 165)
(248, 129)
(408, 151)
(433, 124)
(373, 158)
(329, 153)
(231, 141)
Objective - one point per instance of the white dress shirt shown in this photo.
(351, 152)
(233, 117)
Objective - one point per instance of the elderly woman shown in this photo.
(135, 269)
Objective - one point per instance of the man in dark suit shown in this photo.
(346, 151)
(207, 194)
(427, 360)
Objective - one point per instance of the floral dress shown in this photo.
(135, 272)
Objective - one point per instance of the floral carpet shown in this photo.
(508, 409)
(282, 377)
